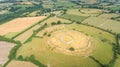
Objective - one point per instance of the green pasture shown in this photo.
(48, 57)
(102, 52)
(117, 63)
(104, 23)
(73, 17)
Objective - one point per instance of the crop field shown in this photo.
(57, 45)
(108, 16)
(73, 17)
(56, 12)
(84, 12)
(55, 19)
(48, 4)
(15, 63)
(19, 24)
(104, 23)
(5, 48)
(55, 33)
(35, 13)
(65, 4)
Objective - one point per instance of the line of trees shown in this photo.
(31, 59)
(13, 51)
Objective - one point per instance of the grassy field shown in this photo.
(10, 35)
(46, 56)
(55, 19)
(84, 12)
(73, 17)
(108, 16)
(76, 12)
(117, 64)
(104, 23)
(101, 46)
(65, 4)
(15, 63)
(35, 13)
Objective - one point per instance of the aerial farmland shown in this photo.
(59, 33)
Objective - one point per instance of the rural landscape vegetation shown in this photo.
(59, 33)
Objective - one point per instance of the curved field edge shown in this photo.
(46, 56)
(110, 47)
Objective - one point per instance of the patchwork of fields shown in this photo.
(42, 52)
(19, 24)
(69, 40)
(104, 23)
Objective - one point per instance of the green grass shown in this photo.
(103, 51)
(46, 56)
(55, 19)
(108, 15)
(65, 4)
(116, 8)
(117, 64)
(104, 23)
(10, 35)
(73, 17)
(84, 12)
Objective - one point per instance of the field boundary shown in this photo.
(29, 28)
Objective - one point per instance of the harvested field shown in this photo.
(18, 24)
(5, 48)
(15, 63)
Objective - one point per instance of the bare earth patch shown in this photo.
(15, 63)
(5, 48)
(18, 24)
